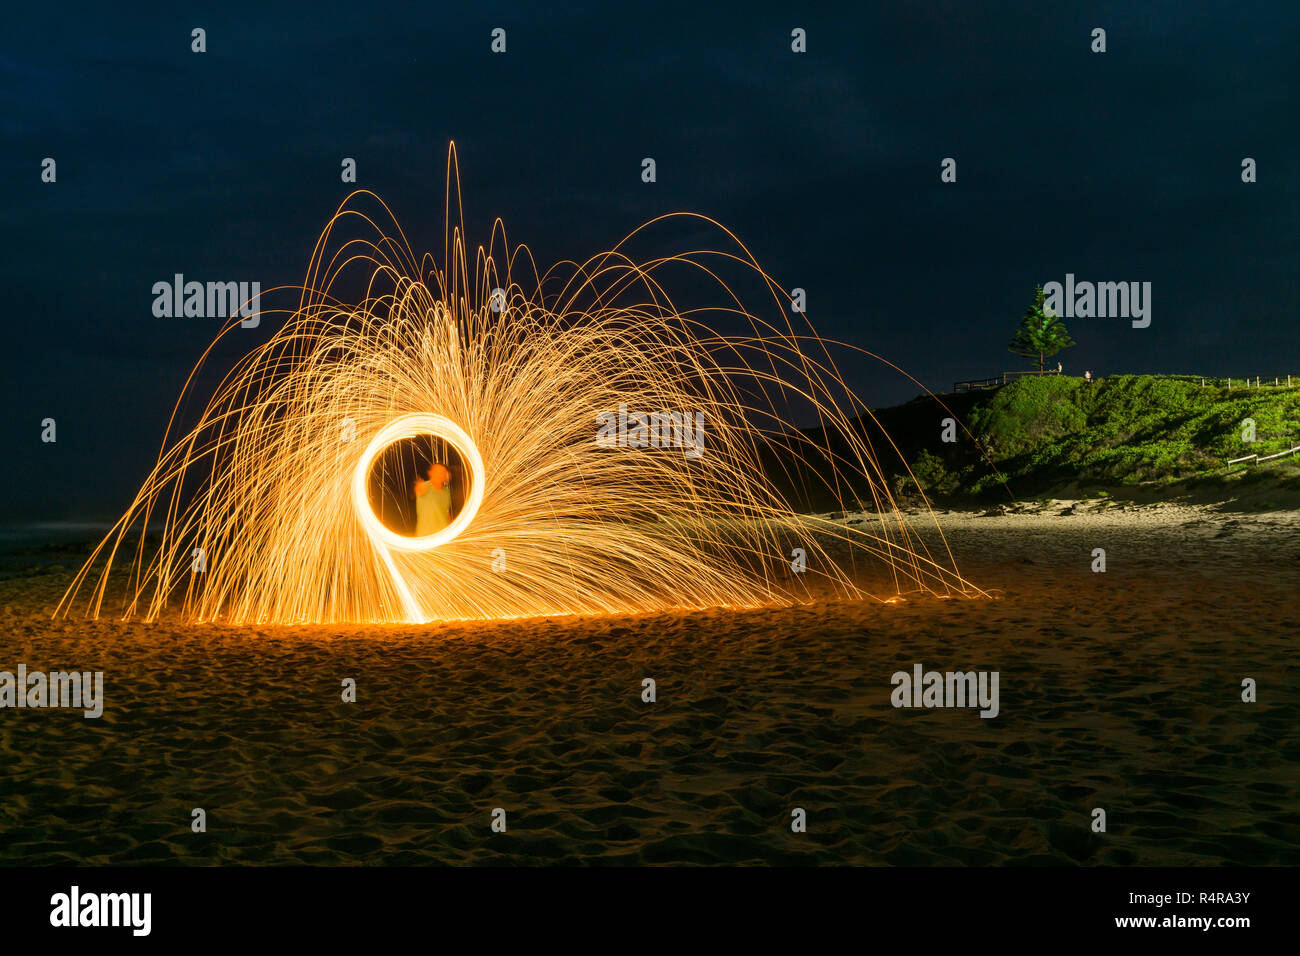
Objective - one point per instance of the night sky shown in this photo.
(1122, 166)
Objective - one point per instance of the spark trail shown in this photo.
(514, 368)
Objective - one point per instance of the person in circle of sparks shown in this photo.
(432, 500)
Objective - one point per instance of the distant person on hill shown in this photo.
(432, 500)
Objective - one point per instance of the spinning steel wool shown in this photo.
(264, 507)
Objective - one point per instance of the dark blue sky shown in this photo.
(1123, 166)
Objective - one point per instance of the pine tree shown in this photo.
(1041, 333)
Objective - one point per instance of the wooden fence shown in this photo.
(1256, 459)
(997, 381)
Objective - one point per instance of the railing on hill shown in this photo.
(1249, 381)
(1256, 459)
(1258, 381)
(999, 380)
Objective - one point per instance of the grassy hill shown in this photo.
(1066, 437)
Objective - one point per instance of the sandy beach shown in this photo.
(1119, 690)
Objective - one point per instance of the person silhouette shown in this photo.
(432, 500)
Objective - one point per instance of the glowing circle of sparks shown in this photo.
(385, 540)
(411, 426)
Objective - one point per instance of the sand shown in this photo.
(1119, 690)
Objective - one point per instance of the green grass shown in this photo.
(1052, 431)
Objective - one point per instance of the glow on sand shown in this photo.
(268, 489)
